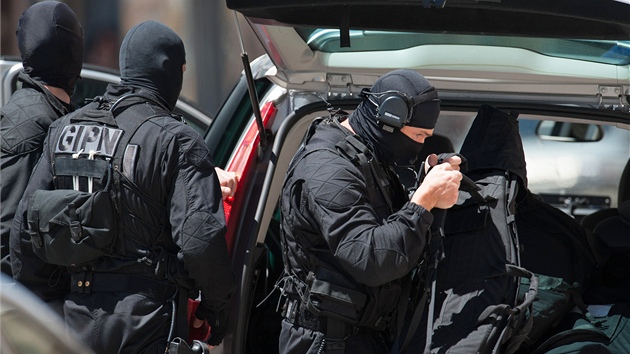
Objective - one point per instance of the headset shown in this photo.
(397, 108)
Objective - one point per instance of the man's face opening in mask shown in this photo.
(418, 135)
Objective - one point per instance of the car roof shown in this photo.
(587, 19)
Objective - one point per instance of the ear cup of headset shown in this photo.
(394, 111)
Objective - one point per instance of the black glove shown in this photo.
(216, 335)
(218, 324)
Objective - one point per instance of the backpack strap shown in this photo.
(361, 156)
(117, 161)
(358, 153)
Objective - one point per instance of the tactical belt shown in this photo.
(89, 282)
(300, 316)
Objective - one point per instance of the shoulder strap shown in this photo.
(468, 185)
(375, 177)
(358, 153)
(135, 122)
(302, 148)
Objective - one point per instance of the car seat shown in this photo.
(590, 221)
(613, 283)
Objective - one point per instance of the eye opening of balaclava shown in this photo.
(50, 40)
(390, 144)
(152, 57)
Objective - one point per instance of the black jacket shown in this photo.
(331, 219)
(24, 122)
(171, 201)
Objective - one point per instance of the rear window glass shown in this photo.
(600, 51)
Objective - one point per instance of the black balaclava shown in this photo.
(392, 147)
(151, 57)
(50, 39)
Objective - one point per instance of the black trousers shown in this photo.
(119, 322)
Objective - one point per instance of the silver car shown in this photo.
(93, 82)
(565, 69)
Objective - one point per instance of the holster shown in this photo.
(325, 298)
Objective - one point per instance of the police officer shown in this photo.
(351, 235)
(50, 40)
(172, 221)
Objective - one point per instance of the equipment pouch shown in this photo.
(69, 227)
(327, 299)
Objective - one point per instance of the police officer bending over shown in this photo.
(350, 233)
(124, 285)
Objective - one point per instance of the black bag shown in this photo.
(477, 304)
(70, 227)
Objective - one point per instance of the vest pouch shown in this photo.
(69, 227)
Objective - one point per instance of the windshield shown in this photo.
(599, 51)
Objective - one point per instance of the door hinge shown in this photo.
(614, 98)
(340, 85)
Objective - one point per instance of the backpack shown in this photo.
(477, 303)
(71, 227)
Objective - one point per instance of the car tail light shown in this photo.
(241, 163)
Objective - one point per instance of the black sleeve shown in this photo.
(198, 222)
(24, 122)
(49, 282)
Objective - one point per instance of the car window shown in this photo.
(600, 51)
(566, 131)
(94, 82)
(87, 89)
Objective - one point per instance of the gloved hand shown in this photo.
(200, 332)
(217, 332)
(218, 324)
